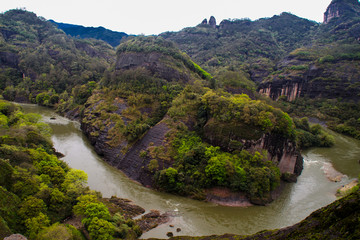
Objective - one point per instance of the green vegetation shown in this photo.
(40, 59)
(160, 45)
(119, 95)
(240, 109)
(214, 155)
(38, 191)
(312, 136)
(238, 44)
(128, 102)
(340, 116)
(199, 166)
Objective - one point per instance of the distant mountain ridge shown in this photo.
(112, 37)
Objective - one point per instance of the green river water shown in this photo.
(312, 190)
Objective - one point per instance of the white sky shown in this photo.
(157, 16)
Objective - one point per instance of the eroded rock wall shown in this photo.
(127, 156)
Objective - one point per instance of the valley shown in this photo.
(312, 190)
(225, 122)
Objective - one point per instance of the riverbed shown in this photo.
(312, 190)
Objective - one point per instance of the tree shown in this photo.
(75, 183)
(57, 174)
(55, 232)
(90, 207)
(6, 172)
(35, 224)
(216, 169)
(32, 207)
(100, 229)
(59, 231)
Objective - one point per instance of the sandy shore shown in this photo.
(331, 173)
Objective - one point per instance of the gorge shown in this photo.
(312, 190)
(205, 118)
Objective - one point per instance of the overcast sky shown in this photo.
(157, 16)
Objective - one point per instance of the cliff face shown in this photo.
(282, 151)
(124, 155)
(125, 122)
(332, 78)
(340, 8)
(327, 68)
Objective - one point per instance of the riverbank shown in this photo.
(346, 189)
(198, 218)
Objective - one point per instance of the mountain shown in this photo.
(151, 111)
(242, 44)
(35, 56)
(112, 37)
(341, 9)
(313, 69)
(155, 98)
(322, 79)
(285, 55)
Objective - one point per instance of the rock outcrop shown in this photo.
(153, 62)
(125, 156)
(133, 133)
(15, 237)
(282, 151)
(204, 22)
(313, 79)
(212, 22)
(340, 8)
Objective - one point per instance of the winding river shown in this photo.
(312, 191)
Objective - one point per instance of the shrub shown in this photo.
(101, 229)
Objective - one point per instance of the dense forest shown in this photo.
(39, 192)
(184, 112)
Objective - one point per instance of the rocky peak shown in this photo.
(340, 8)
(204, 22)
(212, 22)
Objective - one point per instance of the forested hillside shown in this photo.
(311, 68)
(36, 58)
(150, 87)
(40, 194)
(212, 106)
